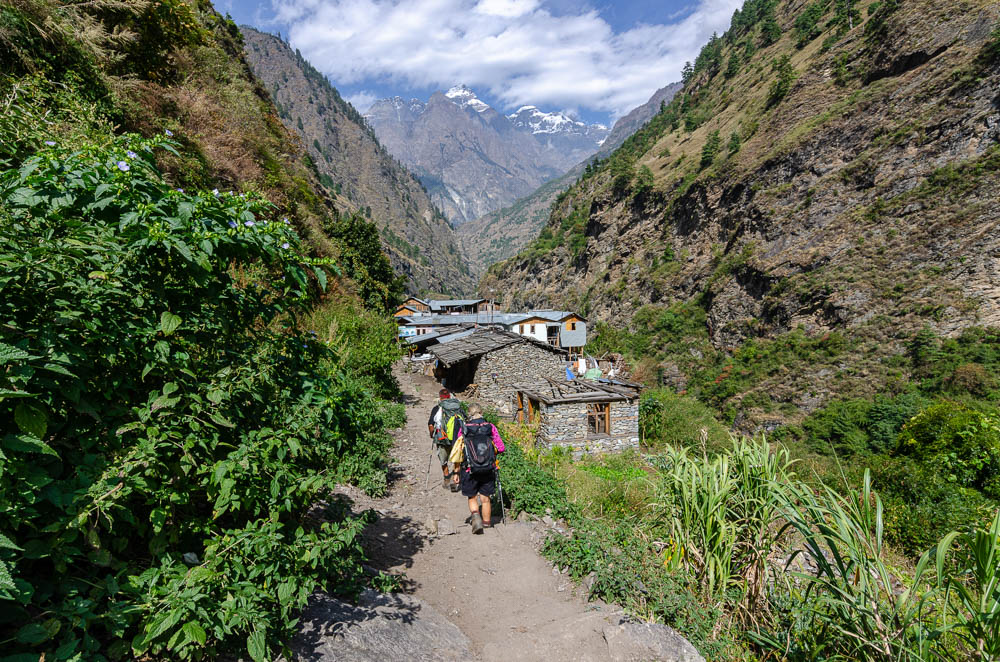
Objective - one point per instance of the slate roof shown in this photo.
(444, 335)
(479, 342)
(580, 390)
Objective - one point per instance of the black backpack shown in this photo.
(480, 455)
(451, 413)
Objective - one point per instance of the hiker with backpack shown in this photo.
(445, 422)
(475, 452)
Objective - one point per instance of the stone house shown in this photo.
(585, 415)
(491, 361)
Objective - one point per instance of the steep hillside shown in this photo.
(501, 234)
(636, 118)
(505, 232)
(194, 351)
(472, 159)
(352, 164)
(828, 167)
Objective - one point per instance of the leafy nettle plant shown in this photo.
(164, 425)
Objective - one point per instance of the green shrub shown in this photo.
(861, 426)
(921, 504)
(164, 424)
(963, 443)
(668, 419)
(807, 25)
(528, 486)
(735, 142)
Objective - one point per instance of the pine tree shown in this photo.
(710, 149)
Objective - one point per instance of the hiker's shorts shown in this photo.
(473, 484)
(443, 453)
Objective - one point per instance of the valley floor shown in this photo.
(495, 587)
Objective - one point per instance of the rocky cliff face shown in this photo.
(474, 160)
(845, 182)
(354, 166)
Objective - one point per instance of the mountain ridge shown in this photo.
(471, 158)
(505, 232)
(810, 188)
(352, 163)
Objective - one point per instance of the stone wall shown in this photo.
(566, 425)
(523, 363)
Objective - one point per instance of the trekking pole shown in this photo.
(430, 461)
(503, 512)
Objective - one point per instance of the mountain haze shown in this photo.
(471, 158)
(352, 164)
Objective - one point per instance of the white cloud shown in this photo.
(516, 49)
(362, 100)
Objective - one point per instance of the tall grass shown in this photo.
(722, 512)
(792, 569)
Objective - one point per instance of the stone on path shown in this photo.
(639, 642)
(381, 628)
(431, 526)
(445, 527)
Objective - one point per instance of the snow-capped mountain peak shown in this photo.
(530, 118)
(463, 96)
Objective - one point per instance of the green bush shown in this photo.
(922, 505)
(861, 426)
(962, 443)
(164, 425)
(784, 78)
(710, 149)
(527, 485)
(807, 25)
(666, 418)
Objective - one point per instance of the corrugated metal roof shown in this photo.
(471, 318)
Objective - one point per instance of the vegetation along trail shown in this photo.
(495, 587)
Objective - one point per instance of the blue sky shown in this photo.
(595, 60)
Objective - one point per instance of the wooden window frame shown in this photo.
(595, 412)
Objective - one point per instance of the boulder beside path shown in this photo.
(380, 628)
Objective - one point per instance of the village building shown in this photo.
(561, 329)
(487, 363)
(556, 327)
(584, 415)
(414, 306)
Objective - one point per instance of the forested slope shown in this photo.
(352, 164)
(194, 347)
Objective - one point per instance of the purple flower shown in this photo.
(285, 245)
(122, 166)
(131, 154)
(50, 143)
(180, 190)
(169, 132)
(215, 191)
(232, 224)
(285, 221)
(249, 224)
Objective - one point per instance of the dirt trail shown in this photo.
(495, 587)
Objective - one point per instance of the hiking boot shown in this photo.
(455, 487)
(477, 523)
(447, 483)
